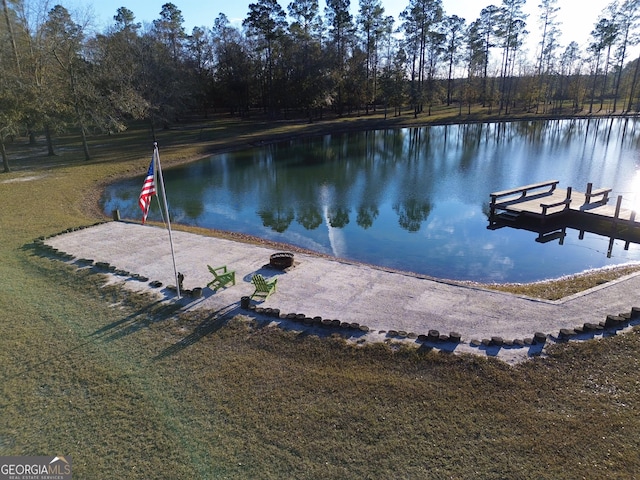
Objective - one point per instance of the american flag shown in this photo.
(148, 190)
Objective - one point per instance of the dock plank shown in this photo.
(532, 204)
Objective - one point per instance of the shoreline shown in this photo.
(91, 203)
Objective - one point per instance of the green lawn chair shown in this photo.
(221, 277)
(264, 288)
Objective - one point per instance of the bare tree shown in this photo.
(421, 20)
(548, 45)
(483, 35)
(371, 21)
(267, 23)
(341, 32)
(511, 31)
(627, 18)
(454, 30)
(604, 35)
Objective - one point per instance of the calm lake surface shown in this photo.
(414, 199)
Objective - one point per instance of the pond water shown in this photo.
(414, 199)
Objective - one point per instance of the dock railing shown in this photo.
(521, 192)
(566, 202)
(600, 192)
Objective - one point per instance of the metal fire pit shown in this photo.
(281, 260)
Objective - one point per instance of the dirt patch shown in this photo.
(24, 179)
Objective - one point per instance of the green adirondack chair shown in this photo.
(221, 277)
(264, 288)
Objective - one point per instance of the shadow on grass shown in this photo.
(214, 322)
(141, 318)
(113, 331)
(46, 362)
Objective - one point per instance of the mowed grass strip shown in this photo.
(132, 388)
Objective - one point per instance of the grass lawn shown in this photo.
(130, 388)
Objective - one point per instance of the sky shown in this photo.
(577, 17)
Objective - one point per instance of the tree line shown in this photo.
(58, 74)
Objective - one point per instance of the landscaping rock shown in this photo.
(539, 338)
(566, 333)
(613, 321)
(433, 335)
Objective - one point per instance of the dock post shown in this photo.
(617, 214)
(587, 195)
(614, 225)
(610, 247)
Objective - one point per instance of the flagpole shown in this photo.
(166, 208)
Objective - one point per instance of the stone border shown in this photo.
(612, 324)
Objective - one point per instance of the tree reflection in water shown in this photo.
(414, 198)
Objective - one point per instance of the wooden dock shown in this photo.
(545, 200)
(548, 210)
